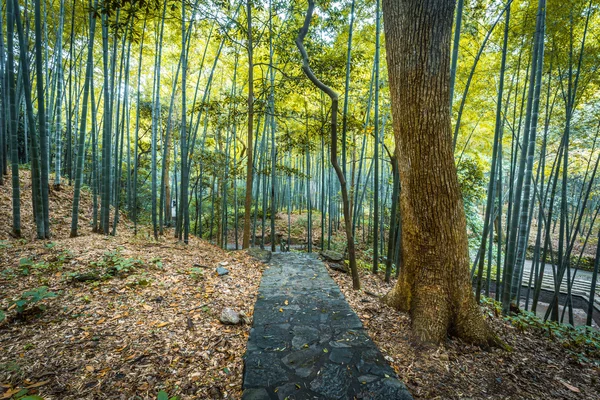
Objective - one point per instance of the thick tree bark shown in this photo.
(434, 284)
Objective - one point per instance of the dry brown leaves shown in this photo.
(537, 368)
(125, 337)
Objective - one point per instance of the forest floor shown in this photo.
(538, 367)
(146, 320)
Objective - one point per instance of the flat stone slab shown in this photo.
(307, 343)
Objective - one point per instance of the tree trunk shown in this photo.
(248, 199)
(434, 285)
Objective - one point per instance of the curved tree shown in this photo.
(334, 141)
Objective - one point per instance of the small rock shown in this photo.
(229, 317)
(86, 277)
(222, 271)
(215, 393)
(224, 263)
(332, 256)
(244, 318)
(259, 254)
(338, 267)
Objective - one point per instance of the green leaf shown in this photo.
(162, 395)
(25, 261)
(21, 392)
(2, 316)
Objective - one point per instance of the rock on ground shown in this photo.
(259, 254)
(229, 317)
(333, 256)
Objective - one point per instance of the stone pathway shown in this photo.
(307, 343)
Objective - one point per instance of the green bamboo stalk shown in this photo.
(88, 79)
(42, 120)
(38, 209)
(376, 145)
(13, 120)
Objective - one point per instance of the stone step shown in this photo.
(579, 287)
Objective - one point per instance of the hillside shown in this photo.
(131, 316)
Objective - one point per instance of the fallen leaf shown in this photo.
(42, 383)
(9, 394)
(570, 387)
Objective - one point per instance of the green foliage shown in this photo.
(55, 262)
(157, 262)
(582, 342)
(60, 258)
(116, 265)
(139, 280)
(362, 264)
(492, 307)
(8, 273)
(162, 395)
(24, 265)
(197, 274)
(32, 297)
(2, 315)
(473, 187)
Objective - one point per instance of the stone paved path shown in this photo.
(307, 343)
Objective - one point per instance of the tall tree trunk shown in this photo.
(524, 172)
(457, 28)
(347, 86)
(42, 122)
(248, 200)
(434, 284)
(185, 210)
(30, 118)
(59, 96)
(376, 148)
(13, 117)
(106, 135)
(80, 153)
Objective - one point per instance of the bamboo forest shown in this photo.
(304, 199)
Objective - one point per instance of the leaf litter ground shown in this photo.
(153, 326)
(537, 368)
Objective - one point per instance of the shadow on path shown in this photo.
(307, 343)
